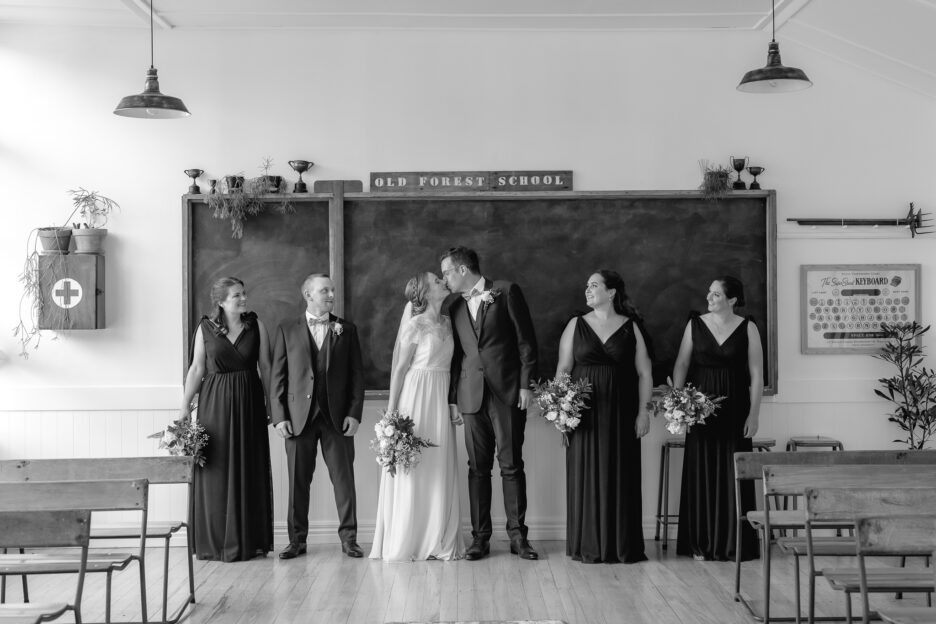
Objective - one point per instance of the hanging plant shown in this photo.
(239, 204)
(714, 180)
(913, 389)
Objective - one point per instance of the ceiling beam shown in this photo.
(141, 8)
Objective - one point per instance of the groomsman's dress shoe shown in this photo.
(479, 549)
(292, 551)
(352, 549)
(522, 547)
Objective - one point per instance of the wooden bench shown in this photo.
(46, 529)
(156, 470)
(111, 495)
(749, 466)
(841, 505)
(904, 535)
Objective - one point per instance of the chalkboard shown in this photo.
(275, 254)
(667, 246)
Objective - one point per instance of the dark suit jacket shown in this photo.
(292, 377)
(502, 354)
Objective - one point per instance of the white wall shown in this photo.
(623, 110)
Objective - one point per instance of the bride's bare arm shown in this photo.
(401, 366)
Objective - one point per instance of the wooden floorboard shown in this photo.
(326, 586)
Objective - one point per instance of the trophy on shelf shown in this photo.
(755, 171)
(194, 173)
(738, 164)
(300, 167)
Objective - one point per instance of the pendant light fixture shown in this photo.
(151, 104)
(774, 77)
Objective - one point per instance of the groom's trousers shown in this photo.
(496, 426)
(338, 451)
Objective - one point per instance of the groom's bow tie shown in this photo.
(313, 322)
(474, 292)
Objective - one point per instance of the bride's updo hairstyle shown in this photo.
(415, 292)
(621, 302)
(219, 292)
(733, 288)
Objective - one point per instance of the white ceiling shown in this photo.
(891, 39)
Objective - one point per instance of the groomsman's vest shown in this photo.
(320, 385)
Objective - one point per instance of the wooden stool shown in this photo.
(663, 517)
(797, 442)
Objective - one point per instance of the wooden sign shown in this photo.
(468, 181)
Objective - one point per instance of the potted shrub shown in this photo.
(55, 239)
(714, 180)
(92, 209)
(271, 182)
(913, 389)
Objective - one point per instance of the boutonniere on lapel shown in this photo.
(337, 328)
(487, 298)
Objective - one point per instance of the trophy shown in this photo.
(300, 167)
(194, 173)
(214, 187)
(755, 171)
(738, 164)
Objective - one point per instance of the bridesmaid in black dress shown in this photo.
(721, 355)
(232, 506)
(603, 497)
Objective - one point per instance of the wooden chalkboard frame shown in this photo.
(338, 195)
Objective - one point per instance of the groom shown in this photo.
(494, 361)
(316, 397)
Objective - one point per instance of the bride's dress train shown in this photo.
(418, 513)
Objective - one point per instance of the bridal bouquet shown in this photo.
(184, 436)
(396, 445)
(562, 402)
(684, 407)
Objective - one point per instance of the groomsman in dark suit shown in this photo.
(316, 397)
(494, 361)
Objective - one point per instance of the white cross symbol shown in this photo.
(66, 293)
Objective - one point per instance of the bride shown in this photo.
(418, 513)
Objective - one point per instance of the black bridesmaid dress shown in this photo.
(232, 507)
(707, 514)
(604, 517)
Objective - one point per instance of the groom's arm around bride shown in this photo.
(494, 362)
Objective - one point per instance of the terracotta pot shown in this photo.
(55, 239)
(89, 240)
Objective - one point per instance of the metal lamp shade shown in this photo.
(774, 77)
(151, 104)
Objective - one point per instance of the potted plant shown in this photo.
(54, 239)
(92, 209)
(714, 180)
(238, 204)
(272, 182)
(913, 389)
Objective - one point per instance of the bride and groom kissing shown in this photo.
(465, 353)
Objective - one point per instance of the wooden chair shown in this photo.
(111, 495)
(46, 529)
(749, 466)
(904, 535)
(910, 615)
(841, 505)
(156, 470)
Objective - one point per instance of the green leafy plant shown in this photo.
(92, 207)
(913, 389)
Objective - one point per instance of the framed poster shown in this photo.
(843, 305)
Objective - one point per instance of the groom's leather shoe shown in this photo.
(479, 549)
(292, 551)
(351, 549)
(521, 546)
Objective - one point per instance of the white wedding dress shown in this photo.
(418, 513)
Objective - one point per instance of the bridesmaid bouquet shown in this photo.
(684, 407)
(184, 436)
(562, 402)
(396, 445)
